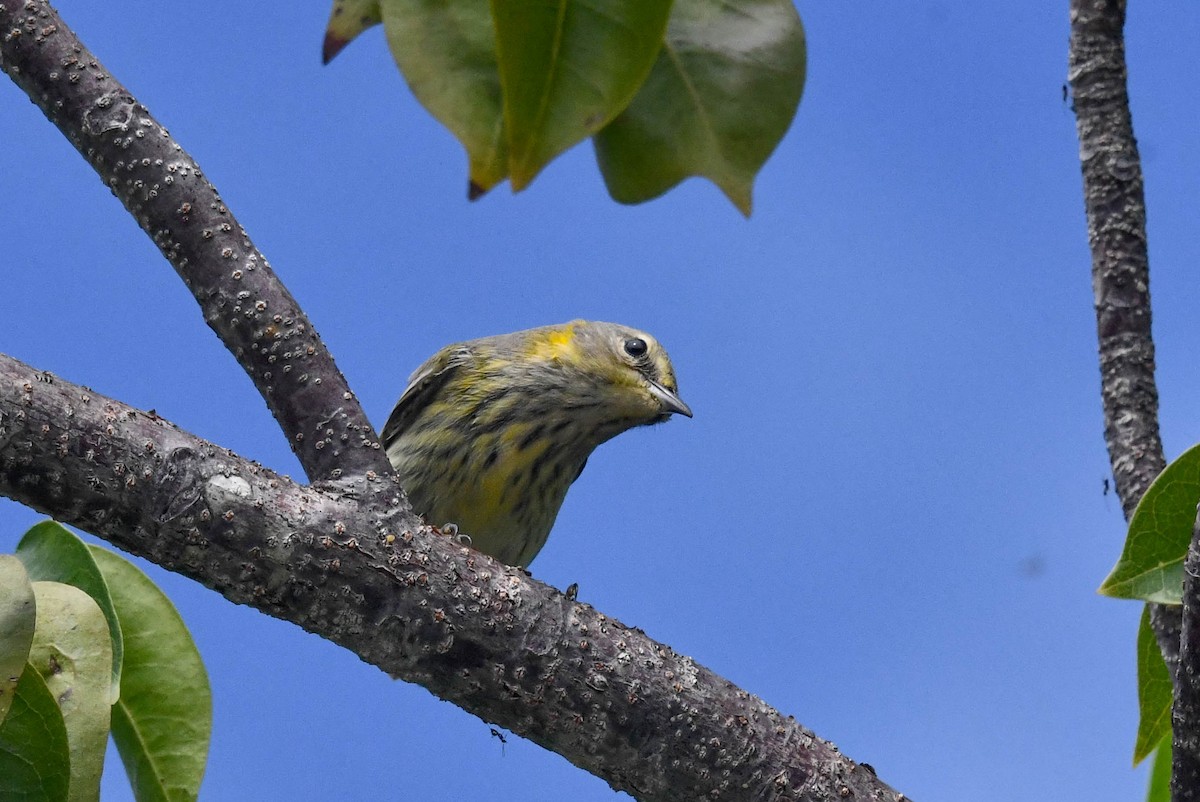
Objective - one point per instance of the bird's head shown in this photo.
(629, 377)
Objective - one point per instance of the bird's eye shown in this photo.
(636, 347)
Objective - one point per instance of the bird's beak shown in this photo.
(670, 401)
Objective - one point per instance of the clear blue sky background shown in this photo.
(887, 516)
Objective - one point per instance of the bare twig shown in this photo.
(341, 562)
(165, 191)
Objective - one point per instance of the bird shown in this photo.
(490, 433)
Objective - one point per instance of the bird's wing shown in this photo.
(423, 385)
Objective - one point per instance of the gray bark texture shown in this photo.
(1114, 199)
(1116, 213)
(344, 557)
(338, 561)
(1185, 712)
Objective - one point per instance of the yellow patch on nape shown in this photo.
(555, 342)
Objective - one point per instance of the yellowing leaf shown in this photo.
(72, 651)
(54, 553)
(18, 611)
(347, 20)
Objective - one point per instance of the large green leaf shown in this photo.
(35, 761)
(567, 67)
(1154, 692)
(73, 653)
(53, 553)
(18, 611)
(163, 720)
(719, 99)
(1151, 565)
(447, 53)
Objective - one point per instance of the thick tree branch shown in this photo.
(165, 191)
(341, 561)
(1114, 198)
(346, 559)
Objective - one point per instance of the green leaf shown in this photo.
(719, 99)
(18, 612)
(567, 67)
(35, 761)
(1151, 565)
(1155, 692)
(347, 20)
(163, 720)
(447, 53)
(73, 653)
(1160, 773)
(53, 553)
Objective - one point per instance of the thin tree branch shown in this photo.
(1114, 198)
(340, 561)
(1116, 214)
(165, 191)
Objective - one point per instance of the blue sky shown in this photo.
(887, 516)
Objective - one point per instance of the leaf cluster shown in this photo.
(89, 646)
(1150, 569)
(665, 90)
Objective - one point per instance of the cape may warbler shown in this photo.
(490, 433)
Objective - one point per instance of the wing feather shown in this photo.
(422, 387)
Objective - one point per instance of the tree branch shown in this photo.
(165, 191)
(1185, 713)
(1116, 214)
(346, 559)
(341, 562)
(1114, 198)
